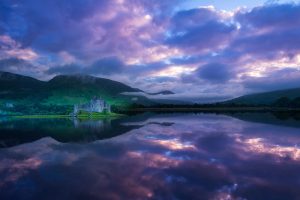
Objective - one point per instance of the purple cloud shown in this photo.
(104, 66)
(141, 40)
(280, 79)
(270, 17)
(199, 30)
(107, 66)
(269, 31)
(18, 66)
(85, 29)
(215, 72)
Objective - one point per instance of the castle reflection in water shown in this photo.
(93, 125)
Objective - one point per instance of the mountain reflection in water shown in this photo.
(19, 131)
(165, 156)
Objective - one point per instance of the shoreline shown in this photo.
(141, 110)
(215, 109)
(50, 116)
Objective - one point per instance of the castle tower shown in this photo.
(76, 110)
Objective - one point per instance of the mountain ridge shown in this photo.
(266, 98)
(67, 90)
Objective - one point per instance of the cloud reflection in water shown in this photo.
(187, 157)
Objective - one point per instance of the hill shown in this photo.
(266, 98)
(22, 94)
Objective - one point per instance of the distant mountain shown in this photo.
(63, 90)
(164, 92)
(266, 98)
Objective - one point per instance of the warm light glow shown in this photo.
(259, 145)
(174, 71)
(175, 144)
(12, 49)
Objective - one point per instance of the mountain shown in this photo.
(266, 98)
(12, 85)
(102, 84)
(164, 92)
(80, 88)
(62, 92)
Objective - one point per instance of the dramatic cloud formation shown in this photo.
(199, 30)
(192, 49)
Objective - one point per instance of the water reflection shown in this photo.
(168, 156)
(288, 118)
(18, 131)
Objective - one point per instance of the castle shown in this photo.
(95, 105)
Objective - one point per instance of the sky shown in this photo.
(201, 50)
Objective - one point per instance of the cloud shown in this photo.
(10, 48)
(154, 44)
(104, 66)
(192, 18)
(215, 72)
(87, 29)
(210, 36)
(23, 67)
(269, 31)
(65, 69)
(279, 79)
(16, 65)
(270, 17)
(270, 45)
(199, 30)
(107, 66)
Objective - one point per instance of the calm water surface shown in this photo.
(151, 156)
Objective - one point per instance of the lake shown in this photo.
(152, 156)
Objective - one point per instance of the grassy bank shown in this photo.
(98, 115)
